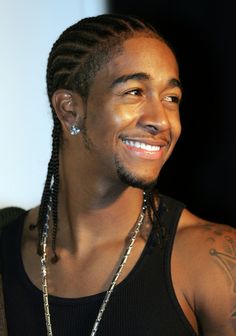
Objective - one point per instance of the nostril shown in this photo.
(152, 129)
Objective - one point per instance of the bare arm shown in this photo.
(208, 259)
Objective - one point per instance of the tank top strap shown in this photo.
(170, 211)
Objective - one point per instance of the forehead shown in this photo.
(141, 54)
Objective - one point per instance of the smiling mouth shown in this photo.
(141, 145)
(145, 149)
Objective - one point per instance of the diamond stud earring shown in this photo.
(74, 129)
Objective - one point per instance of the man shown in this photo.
(111, 256)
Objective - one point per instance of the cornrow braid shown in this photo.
(154, 213)
(55, 186)
(73, 62)
(51, 190)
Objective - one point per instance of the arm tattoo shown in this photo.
(227, 259)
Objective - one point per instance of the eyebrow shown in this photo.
(174, 82)
(134, 76)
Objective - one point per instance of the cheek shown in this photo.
(178, 130)
(175, 127)
(102, 125)
(123, 116)
(126, 113)
(113, 118)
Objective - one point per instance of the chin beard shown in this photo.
(130, 179)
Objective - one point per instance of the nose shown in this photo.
(154, 117)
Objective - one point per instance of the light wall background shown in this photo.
(27, 31)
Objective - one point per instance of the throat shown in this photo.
(85, 227)
(121, 261)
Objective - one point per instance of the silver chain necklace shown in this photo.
(44, 280)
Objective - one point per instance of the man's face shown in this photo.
(132, 113)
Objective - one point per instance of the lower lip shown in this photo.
(145, 154)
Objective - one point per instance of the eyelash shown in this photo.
(139, 92)
(168, 99)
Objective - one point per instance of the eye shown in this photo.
(172, 99)
(134, 92)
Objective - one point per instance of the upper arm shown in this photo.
(216, 304)
(208, 253)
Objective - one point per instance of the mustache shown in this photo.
(147, 136)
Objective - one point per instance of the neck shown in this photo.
(92, 210)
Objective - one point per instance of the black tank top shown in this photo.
(143, 304)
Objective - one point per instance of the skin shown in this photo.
(92, 228)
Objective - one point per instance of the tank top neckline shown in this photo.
(90, 298)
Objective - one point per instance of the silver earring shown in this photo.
(74, 129)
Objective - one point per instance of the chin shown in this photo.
(132, 179)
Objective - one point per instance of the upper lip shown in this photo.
(161, 141)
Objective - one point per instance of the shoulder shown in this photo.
(197, 234)
(204, 244)
(205, 253)
(9, 214)
(11, 218)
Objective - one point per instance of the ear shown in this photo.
(68, 106)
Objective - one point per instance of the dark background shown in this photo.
(201, 172)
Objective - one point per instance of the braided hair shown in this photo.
(73, 62)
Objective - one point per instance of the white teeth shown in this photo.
(142, 145)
